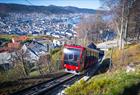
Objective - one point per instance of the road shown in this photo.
(110, 44)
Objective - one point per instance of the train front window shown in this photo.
(71, 56)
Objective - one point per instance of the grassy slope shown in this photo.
(105, 84)
(30, 37)
(114, 82)
(9, 76)
(130, 54)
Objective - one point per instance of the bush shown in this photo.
(105, 84)
(55, 50)
(56, 60)
(13, 74)
(56, 55)
(115, 82)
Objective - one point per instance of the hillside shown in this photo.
(6, 8)
(120, 80)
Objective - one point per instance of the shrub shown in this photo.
(105, 84)
(55, 50)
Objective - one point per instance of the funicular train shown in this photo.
(76, 59)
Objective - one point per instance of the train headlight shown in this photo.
(65, 50)
(76, 67)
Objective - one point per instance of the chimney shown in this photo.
(13, 41)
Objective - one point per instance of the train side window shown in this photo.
(82, 59)
(95, 54)
(92, 54)
(86, 56)
(88, 53)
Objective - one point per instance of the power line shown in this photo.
(29, 2)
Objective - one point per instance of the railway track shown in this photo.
(59, 90)
(44, 87)
(55, 85)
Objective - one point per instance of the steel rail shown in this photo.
(39, 87)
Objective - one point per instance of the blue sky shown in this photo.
(92, 4)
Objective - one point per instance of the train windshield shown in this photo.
(71, 56)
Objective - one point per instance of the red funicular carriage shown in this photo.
(77, 58)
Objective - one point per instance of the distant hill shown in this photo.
(6, 8)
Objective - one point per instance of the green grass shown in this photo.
(9, 37)
(55, 51)
(115, 81)
(12, 74)
(18, 71)
(34, 73)
(130, 54)
(56, 55)
(105, 84)
(37, 37)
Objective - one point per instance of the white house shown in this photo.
(5, 62)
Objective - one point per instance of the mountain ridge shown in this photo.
(51, 9)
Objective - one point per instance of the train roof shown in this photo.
(95, 50)
(74, 46)
(81, 47)
(92, 46)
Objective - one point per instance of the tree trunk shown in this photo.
(85, 38)
(25, 69)
(121, 44)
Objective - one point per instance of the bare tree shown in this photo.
(119, 11)
(90, 27)
(20, 57)
(44, 63)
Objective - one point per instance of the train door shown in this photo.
(82, 61)
(87, 59)
(95, 57)
(92, 57)
(91, 61)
